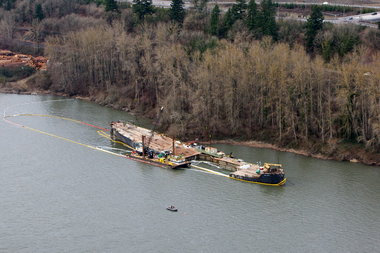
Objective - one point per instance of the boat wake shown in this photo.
(114, 149)
(196, 162)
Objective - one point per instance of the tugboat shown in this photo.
(269, 174)
(172, 208)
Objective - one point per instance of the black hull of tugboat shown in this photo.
(267, 179)
(271, 178)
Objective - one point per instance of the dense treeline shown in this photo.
(237, 74)
(257, 90)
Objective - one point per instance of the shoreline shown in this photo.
(352, 156)
(266, 145)
(260, 144)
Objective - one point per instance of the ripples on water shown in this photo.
(60, 197)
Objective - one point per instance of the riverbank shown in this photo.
(333, 150)
(27, 86)
(341, 151)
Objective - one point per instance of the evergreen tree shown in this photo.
(267, 19)
(237, 11)
(38, 13)
(252, 16)
(8, 4)
(313, 25)
(111, 5)
(177, 12)
(142, 8)
(240, 9)
(214, 22)
(228, 21)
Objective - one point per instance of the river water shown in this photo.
(58, 196)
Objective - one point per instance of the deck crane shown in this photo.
(147, 149)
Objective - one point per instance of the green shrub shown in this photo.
(15, 73)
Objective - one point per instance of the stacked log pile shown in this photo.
(9, 59)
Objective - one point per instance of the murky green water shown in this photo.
(57, 196)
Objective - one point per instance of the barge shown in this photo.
(163, 151)
(153, 148)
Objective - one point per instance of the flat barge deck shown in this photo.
(133, 136)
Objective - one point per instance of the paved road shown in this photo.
(160, 3)
(334, 4)
(369, 17)
(364, 19)
(163, 3)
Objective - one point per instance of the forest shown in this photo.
(236, 73)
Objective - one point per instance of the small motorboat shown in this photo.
(172, 208)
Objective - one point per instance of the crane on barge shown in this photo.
(146, 148)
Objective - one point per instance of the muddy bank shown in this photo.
(21, 87)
